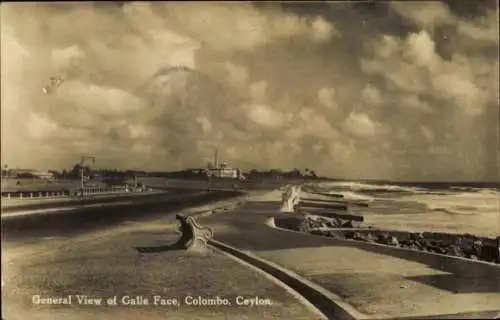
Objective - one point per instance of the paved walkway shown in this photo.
(105, 263)
(379, 282)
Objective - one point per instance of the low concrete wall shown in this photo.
(451, 264)
(457, 265)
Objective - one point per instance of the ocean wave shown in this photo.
(454, 200)
(463, 192)
(456, 211)
(356, 196)
(360, 186)
(465, 189)
(462, 203)
(334, 189)
(477, 193)
(394, 188)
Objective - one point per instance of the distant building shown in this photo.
(30, 173)
(20, 173)
(43, 175)
(224, 171)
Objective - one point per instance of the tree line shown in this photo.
(112, 173)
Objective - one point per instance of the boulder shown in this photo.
(455, 250)
(349, 235)
(319, 232)
(333, 234)
(347, 224)
(382, 238)
(359, 236)
(393, 241)
(489, 253)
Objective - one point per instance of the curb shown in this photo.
(326, 302)
(311, 307)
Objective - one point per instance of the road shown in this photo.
(69, 219)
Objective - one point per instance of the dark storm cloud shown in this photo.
(339, 87)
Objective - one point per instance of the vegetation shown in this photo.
(116, 175)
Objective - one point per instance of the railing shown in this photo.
(34, 194)
(86, 192)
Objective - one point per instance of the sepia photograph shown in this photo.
(252, 160)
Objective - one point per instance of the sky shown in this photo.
(400, 91)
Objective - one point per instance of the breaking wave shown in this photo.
(367, 187)
(356, 196)
(453, 200)
(483, 202)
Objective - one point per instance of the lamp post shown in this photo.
(83, 159)
(4, 175)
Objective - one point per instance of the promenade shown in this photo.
(105, 263)
(362, 280)
(368, 280)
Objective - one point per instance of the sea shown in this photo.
(451, 207)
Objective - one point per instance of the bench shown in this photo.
(192, 234)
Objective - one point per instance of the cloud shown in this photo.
(40, 127)
(426, 15)
(63, 58)
(413, 66)
(322, 30)
(237, 75)
(360, 125)
(264, 116)
(100, 100)
(478, 32)
(206, 126)
(438, 150)
(310, 123)
(258, 90)
(412, 101)
(241, 26)
(421, 49)
(326, 96)
(372, 95)
(462, 90)
(341, 91)
(427, 133)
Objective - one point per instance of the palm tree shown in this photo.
(312, 173)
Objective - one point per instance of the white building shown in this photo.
(224, 171)
(43, 175)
